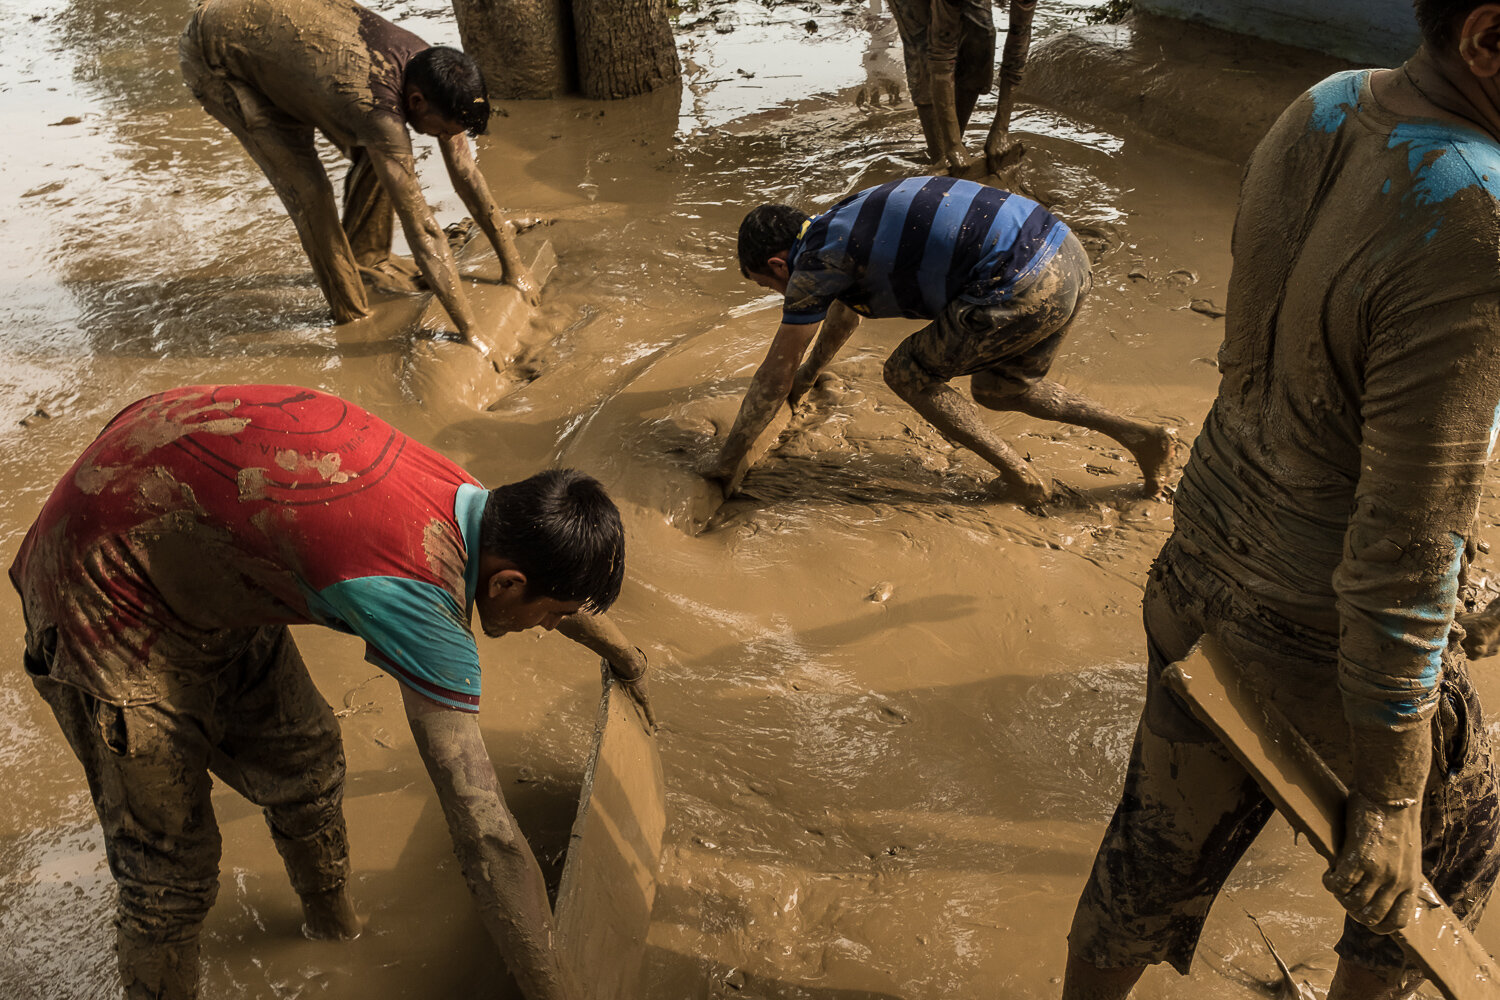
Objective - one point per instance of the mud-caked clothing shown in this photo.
(260, 725)
(999, 275)
(157, 584)
(1189, 810)
(956, 37)
(1337, 476)
(274, 72)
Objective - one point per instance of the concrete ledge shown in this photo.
(1377, 32)
(1181, 81)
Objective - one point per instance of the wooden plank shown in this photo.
(498, 309)
(708, 498)
(609, 879)
(1312, 798)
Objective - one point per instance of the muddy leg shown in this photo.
(147, 774)
(284, 151)
(947, 410)
(1156, 449)
(369, 216)
(152, 970)
(1083, 981)
(928, 117)
(281, 750)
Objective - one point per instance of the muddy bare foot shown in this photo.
(330, 916)
(1160, 455)
(1027, 492)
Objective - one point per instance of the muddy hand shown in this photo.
(710, 468)
(1481, 632)
(524, 282)
(1379, 871)
(632, 677)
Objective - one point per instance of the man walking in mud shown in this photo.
(157, 586)
(275, 71)
(999, 276)
(1322, 522)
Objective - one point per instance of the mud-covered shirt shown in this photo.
(330, 64)
(216, 508)
(1338, 474)
(911, 247)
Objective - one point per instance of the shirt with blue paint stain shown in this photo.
(1339, 471)
(910, 247)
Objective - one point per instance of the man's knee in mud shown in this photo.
(906, 376)
(994, 391)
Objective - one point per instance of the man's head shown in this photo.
(550, 546)
(445, 93)
(1468, 30)
(766, 238)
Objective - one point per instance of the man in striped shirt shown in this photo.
(999, 276)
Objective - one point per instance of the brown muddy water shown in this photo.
(869, 799)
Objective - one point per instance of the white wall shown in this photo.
(1379, 32)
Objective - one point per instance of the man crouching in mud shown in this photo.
(273, 71)
(158, 583)
(1321, 522)
(1000, 277)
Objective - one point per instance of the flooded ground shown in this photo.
(869, 799)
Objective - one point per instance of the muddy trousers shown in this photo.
(259, 725)
(283, 149)
(1189, 810)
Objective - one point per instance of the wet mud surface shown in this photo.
(895, 713)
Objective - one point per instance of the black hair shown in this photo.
(453, 85)
(766, 232)
(563, 531)
(1440, 20)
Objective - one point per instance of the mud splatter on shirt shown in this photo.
(1338, 474)
(228, 507)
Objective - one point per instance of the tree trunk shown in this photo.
(523, 47)
(625, 47)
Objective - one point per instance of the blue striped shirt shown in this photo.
(909, 248)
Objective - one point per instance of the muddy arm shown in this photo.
(497, 863)
(769, 389)
(398, 175)
(1425, 443)
(835, 332)
(472, 190)
(626, 662)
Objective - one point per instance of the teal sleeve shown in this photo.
(415, 631)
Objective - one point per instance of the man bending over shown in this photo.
(158, 583)
(999, 276)
(275, 71)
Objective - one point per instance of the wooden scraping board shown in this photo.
(1312, 799)
(609, 879)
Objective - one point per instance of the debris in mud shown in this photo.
(35, 418)
(881, 592)
(811, 27)
(70, 120)
(735, 979)
(1101, 470)
(1207, 308)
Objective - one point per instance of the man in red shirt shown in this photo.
(157, 585)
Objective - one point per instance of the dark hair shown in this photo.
(766, 232)
(1440, 19)
(563, 531)
(453, 85)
